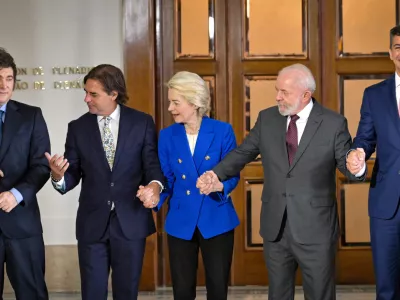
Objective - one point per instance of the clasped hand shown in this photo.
(149, 194)
(355, 160)
(208, 183)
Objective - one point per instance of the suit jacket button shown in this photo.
(183, 176)
(179, 160)
(188, 192)
(288, 176)
(109, 202)
(112, 184)
(207, 157)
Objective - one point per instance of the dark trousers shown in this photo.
(217, 258)
(317, 264)
(125, 257)
(385, 242)
(25, 266)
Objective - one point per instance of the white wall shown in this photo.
(56, 33)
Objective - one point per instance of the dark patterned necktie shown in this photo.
(291, 138)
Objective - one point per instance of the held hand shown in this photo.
(355, 160)
(149, 195)
(7, 201)
(208, 183)
(58, 165)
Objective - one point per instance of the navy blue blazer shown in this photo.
(213, 214)
(25, 167)
(379, 129)
(136, 162)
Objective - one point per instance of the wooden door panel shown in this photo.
(252, 73)
(178, 52)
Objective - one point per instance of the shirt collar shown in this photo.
(306, 111)
(114, 115)
(4, 108)
(397, 80)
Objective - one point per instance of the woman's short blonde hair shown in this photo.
(193, 88)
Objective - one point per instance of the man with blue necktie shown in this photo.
(113, 150)
(379, 130)
(24, 170)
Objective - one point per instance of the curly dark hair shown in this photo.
(111, 78)
(395, 31)
(7, 61)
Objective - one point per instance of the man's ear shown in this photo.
(307, 96)
(114, 95)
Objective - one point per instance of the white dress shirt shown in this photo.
(192, 139)
(302, 121)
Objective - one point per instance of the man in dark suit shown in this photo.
(379, 129)
(113, 150)
(301, 145)
(23, 172)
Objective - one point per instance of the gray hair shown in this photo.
(193, 88)
(305, 78)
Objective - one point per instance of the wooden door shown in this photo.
(263, 37)
(191, 37)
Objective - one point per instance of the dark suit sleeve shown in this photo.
(38, 171)
(366, 135)
(74, 173)
(229, 144)
(236, 160)
(342, 146)
(151, 164)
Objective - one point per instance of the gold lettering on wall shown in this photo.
(38, 71)
(68, 84)
(73, 83)
(22, 71)
(38, 85)
(70, 70)
(21, 85)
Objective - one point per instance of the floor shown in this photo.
(244, 293)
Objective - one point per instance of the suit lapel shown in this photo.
(204, 140)
(123, 132)
(95, 137)
(12, 122)
(182, 149)
(313, 123)
(392, 101)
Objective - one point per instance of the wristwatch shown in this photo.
(53, 179)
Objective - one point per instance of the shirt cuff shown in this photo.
(159, 183)
(18, 196)
(362, 171)
(59, 185)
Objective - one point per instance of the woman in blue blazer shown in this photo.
(187, 149)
